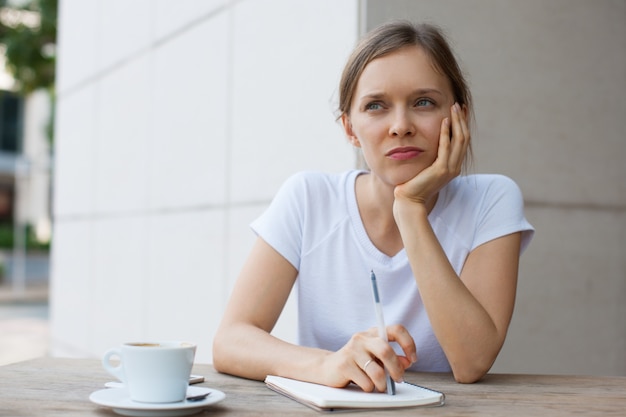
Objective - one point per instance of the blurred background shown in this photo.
(140, 137)
(28, 32)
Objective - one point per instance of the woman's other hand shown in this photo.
(366, 356)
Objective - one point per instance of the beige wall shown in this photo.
(549, 80)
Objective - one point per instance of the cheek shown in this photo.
(431, 128)
(368, 131)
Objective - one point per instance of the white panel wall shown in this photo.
(189, 136)
(301, 123)
(176, 124)
(123, 119)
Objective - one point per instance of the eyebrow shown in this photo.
(418, 92)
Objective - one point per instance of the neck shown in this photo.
(375, 202)
(377, 198)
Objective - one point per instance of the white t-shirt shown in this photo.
(314, 223)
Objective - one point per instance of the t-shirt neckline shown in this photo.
(359, 228)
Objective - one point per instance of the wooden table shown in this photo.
(54, 387)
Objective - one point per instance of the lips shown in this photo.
(403, 153)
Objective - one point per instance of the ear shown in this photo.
(347, 128)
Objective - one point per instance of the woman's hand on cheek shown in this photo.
(450, 156)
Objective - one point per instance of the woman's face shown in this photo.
(396, 114)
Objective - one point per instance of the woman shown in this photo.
(445, 248)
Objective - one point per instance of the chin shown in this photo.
(401, 178)
(399, 175)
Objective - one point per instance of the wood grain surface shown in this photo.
(56, 387)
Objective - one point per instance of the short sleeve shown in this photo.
(502, 212)
(281, 223)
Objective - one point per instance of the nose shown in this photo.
(401, 124)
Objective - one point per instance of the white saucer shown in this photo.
(119, 401)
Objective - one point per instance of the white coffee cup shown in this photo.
(153, 372)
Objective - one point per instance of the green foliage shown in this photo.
(30, 48)
(7, 238)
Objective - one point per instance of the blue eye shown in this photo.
(423, 102)
(373, 106)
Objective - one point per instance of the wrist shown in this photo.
(404, 208)
(310, 365)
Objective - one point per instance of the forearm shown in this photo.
(464, 329)
(250, 352)
(243, 345)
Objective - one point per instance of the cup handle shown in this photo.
(116, 371)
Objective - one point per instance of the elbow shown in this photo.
(220, 355)
(468, 377)
(218, 363)
(470, 373)
(471, 367)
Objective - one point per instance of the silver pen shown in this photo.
(382, 330)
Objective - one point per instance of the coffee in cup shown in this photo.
(153, 372)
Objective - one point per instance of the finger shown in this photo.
(360, 375)
(405, 362)
(366, 364)
(399, 334)
(357, 368)
(464, 123)
(387, 359)
(466, 130)
(350, 370)
(384, 357)
(463, 113)
(459, 140)
(377, 375)
(379, 356)
(444, 140)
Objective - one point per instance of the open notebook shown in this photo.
(323, 398)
